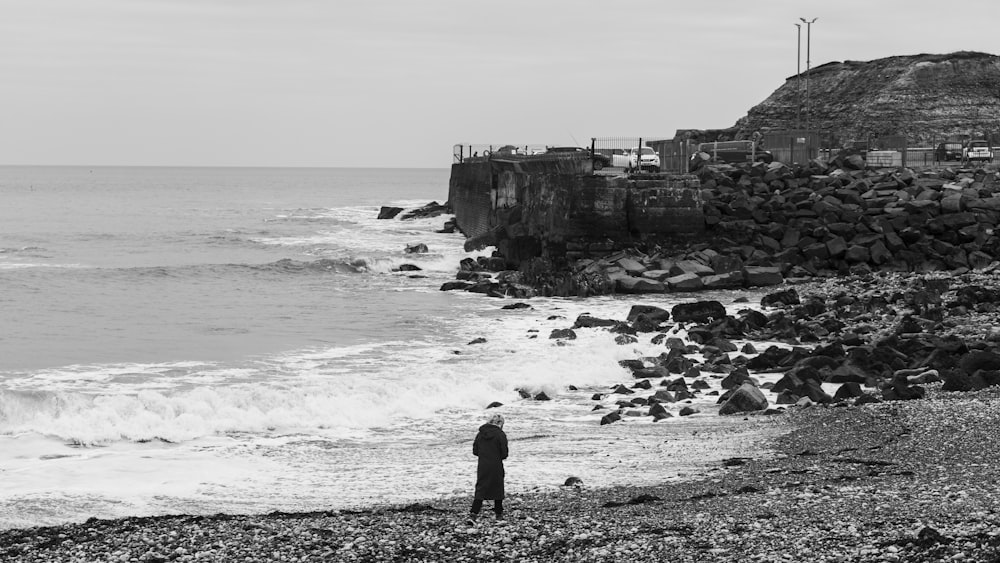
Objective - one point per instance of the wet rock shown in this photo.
(562, 334)
(746, 398)
(785, 297)
(699, 311)
(610, 418)
(389, 212)
(649, 311)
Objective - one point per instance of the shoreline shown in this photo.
(879, 482)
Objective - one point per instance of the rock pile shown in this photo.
(769, 222)
(833, 218)
(852, 341)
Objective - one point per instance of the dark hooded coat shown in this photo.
(491, 448)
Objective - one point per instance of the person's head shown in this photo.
(496, 420)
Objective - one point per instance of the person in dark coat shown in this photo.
(490, 447)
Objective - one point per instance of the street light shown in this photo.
(808, 61)
(798, 75)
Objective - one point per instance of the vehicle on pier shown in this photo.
(638, 158)
(977, 150)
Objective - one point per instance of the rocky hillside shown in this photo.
(925, 98)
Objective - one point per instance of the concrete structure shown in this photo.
(556, 207)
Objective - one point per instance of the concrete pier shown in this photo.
(553, 207)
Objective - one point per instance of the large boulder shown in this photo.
(690, 267)
(650, 311)
(698, 311)
(757, 276)
(389, 212)
(745, 398)
(685, 282)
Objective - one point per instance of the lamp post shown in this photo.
(798, 75)
(808, 61)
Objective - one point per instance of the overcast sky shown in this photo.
(398, 82)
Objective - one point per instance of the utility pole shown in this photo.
(808, 61)
(798, 76)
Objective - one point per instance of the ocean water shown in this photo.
(202, 340)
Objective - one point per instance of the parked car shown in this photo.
(977, 150)
(600, 160)
(637, 158)
(948, 152)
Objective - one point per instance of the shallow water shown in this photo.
(204, 340)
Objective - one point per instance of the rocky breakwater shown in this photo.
(826, 219)
(766, 223)
(848, 341)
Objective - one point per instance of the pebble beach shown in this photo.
(888, 480)
(895, 481)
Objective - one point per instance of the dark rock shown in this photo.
(758, 276)
(664, 395)
(453, 285)
(389, 212)
(562, 334)
(900, 391)
(699, 311)
(658, 411)
(848, 390)
(610, 417)
(786, 297)
(587, 321)
(419, 248)
(979, 360)
(494, 405)
(746, 398)
(649, 311)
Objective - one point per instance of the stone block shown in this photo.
(756, 276)
(818, 251)
(631, 284)
(746, 398)
(857, 253)
(691, 267)
(836, 247)
(685, 282)
(724, 263)
(658, 275)
(728, 280)
(632, 266)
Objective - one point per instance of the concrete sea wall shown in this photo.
(533, 206)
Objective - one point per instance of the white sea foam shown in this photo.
(199, 390)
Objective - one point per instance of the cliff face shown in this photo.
(925, 98)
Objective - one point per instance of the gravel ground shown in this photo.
(893, 481)
(896, 481)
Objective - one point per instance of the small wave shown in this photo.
(322, 265)
(28, 265)
(22, 250)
